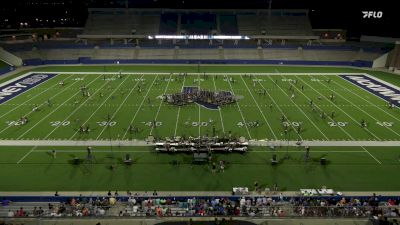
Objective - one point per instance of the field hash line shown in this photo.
(219, 108)
(198, 81)
(141, 104)
(120, 106)
(159, 107)
(19, 105)
(240, 111)
(369, 102)
(52, 112)
(87, 120)
(179, 109)
(27, 114)
(349, 116)
(258, 106)
(279, 108)
(372, 117)
(320, 131)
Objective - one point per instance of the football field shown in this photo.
(274, 105)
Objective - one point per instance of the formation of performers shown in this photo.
(202, 145)
(194, 94)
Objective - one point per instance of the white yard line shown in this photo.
(258, 106)
(141, 104)
(26, 155)
(198, 80)
(63, 120)
(51, 131)
(343, 128)
(159, 107)
(279, 108)
(19, 105)
(371, 155)
(349, 135)
(376, 106)
(363, 111)
(323, 134)
(177, 119)
(179, 109)
(40, 106)
(219, 108)
(356, 122)
(240, 111)
(49, 114)
(120, 105)
(94, 113)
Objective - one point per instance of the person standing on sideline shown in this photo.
(213, 168)
(255, 186)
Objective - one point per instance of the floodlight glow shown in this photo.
(199, 37)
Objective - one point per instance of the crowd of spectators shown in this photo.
(260, 206)
(80, 206)
(346, 207)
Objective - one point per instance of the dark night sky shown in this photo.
(323, 14)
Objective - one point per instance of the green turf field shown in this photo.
(347, 169)
(115, 103)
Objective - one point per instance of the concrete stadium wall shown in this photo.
(88, 60)
(380, 62)
(10, 58)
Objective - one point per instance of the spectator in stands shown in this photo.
(125, 213)
(10, 213)
(112, 200)
(20, 212)
(35, 211)
(40, 211)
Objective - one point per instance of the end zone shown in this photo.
(10, 90)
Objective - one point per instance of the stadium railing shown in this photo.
(218, 206)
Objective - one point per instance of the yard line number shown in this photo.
(337, 124)
(385, 124)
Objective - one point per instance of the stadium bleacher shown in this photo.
(198, 23)
(117, 24)
(197, 53)
(260, 206)
(168, 23)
